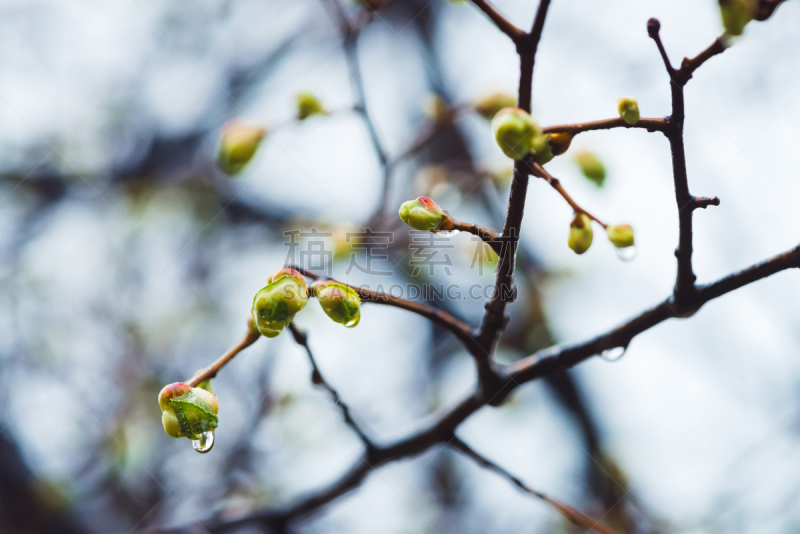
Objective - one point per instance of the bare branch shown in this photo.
(212, 370)
(301, 338)
(502, 23)
(487, 236)
(688, 66)
(572, 514)
(651, 125)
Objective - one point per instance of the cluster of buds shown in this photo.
(187, 411)
(518, 134)
(339, 302)
(591, 167)
(276, 304)
(736, 14)
(628, 109)
(308, 105)
(424, 214)
(238, 144)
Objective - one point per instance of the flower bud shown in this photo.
(238, 144)
(591, 167)
(559, 142)
(422, 214)
(491, 105)
(541, 150)
(735, 15)
(187, 411)
(621, 235)
(275, 305)
(514, 130)
(628, 110)
(580, 233)
(307, 105)
(339, 302)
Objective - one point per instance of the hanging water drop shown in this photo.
(352, 322)
(446, 233)
(204, 444)
(627, 253)
(613, 355)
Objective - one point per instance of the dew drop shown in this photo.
(352, 322)
(204, 444)
(445, 233)
(627, 253)
(613, 355)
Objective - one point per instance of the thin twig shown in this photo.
(487, 236)
(688, 66)
(460, 329)
(502, 23)
(212, 370)
(651, 125)
(572, 514)
(301, 338)
(537, 170)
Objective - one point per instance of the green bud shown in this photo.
(621, 235)
(491, 105)
(514, 130)
(580, 233)
(423, 214)
(276, 304)
(628, 110)
(339, 302)
(591, 167)
(735, 15)
(559, 142)
(238, 144)
(307, 105)
(187, 411)
(541, 149)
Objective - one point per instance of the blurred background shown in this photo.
(128, 261)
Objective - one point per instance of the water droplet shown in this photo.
(204, 444)
(352, 322)
(627, 253)
(613, 355)
(445, 233)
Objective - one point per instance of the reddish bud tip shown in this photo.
(171, 391)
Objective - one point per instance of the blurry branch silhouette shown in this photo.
(301, 338)
(575, 516)
(496, 382)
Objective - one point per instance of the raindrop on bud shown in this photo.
(339, 302)
(627, 253)
(204, 443)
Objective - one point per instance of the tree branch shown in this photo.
(651, 125)
(688, 66)
(502, 23)
(301, 338)
(572, 514)
(539, 171)
(487, 236)
(212, 370)
(460, 329)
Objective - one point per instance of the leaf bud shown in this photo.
(735, 15)
(187, 411)
(275, 305)
(514, 130)
(423, 214)
(339, 302)
(541, 150)
(238, 144)
(559, 142)
(628, 109)
(308, 104)
(580, 233)
(491, 105)
(620, 235)
(591, 167)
